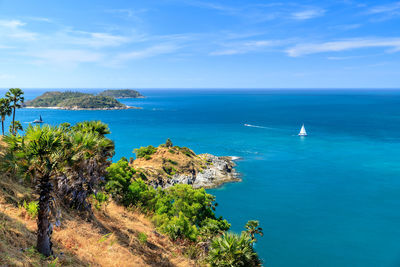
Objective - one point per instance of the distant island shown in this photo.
(76, 101)
(123, 93)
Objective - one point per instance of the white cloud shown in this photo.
(65, 56)
(349, 44)
(390, 8)
(308, 14)
(11, 23)
(151, 51)
(91, 39)
(245, 47)
(12, 29)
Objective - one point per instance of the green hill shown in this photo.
(75, 100)
(124, 93)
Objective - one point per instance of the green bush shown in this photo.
(233, 250)
(179, 211)
(118, 180)
(145, 151)
(32, 208)
(187, 151)
(142, 237)
(100, 199)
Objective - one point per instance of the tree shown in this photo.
(252, 228)
(88, 159)
(15, 97)
(40, 156)
(57, 160)
(168, 143)
(17, 127)
(5, 110)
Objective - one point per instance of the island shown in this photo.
(122, 93)
(167, 165)
(75, 101)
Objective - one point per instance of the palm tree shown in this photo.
(233, 250)
(15, 97)
(92, 126)
(90, 153)
(17, 127)
(252, 228)
(40, 156)
(5, 110)
(58, 160)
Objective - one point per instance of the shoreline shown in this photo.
(76, 108)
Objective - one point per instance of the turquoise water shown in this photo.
(330, 199)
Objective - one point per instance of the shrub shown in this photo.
(100, 199)
(145, 151)
(32, 208)
(233, 250)
(172, 162)
(142, 237)
(187, 151)
(168, 143)
(118, 179)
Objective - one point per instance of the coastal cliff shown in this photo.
(167, 165)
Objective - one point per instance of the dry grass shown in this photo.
(110, 238)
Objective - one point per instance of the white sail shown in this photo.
(303, 131)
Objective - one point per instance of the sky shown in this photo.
(199, 44)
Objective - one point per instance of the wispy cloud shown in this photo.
(65, 56)
(393, 8)
(349, 44)
(308, 14)
(151, 51)
(245, 47)
(91, 39)
(12, 29)
(11, 23)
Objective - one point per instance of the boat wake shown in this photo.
(255, 126)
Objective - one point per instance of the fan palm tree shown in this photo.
(90, 154)
(17, 127)
(5, 110)
(92, 126)
(252, 228)
(15, 97)
(57, 159)
(232, 250)
(40, 156)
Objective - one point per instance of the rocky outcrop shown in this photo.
(219, 170)
(169, 165)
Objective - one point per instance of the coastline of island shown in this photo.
(69, 100)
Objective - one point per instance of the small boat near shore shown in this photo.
(303, 131)
(40, 120)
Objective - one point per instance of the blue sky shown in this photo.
(199, 44)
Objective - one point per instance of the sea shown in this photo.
(329, 199)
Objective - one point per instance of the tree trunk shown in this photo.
(13, 122)
(2, 126)
(44, 244)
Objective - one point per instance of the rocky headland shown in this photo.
(165, 166)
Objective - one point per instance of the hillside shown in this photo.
(110, 238)
(167, 165)
(74, 101)
(124, 93)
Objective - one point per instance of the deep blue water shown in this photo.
(330, 199)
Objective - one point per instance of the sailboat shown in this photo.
(303, 131)
(38, 120)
